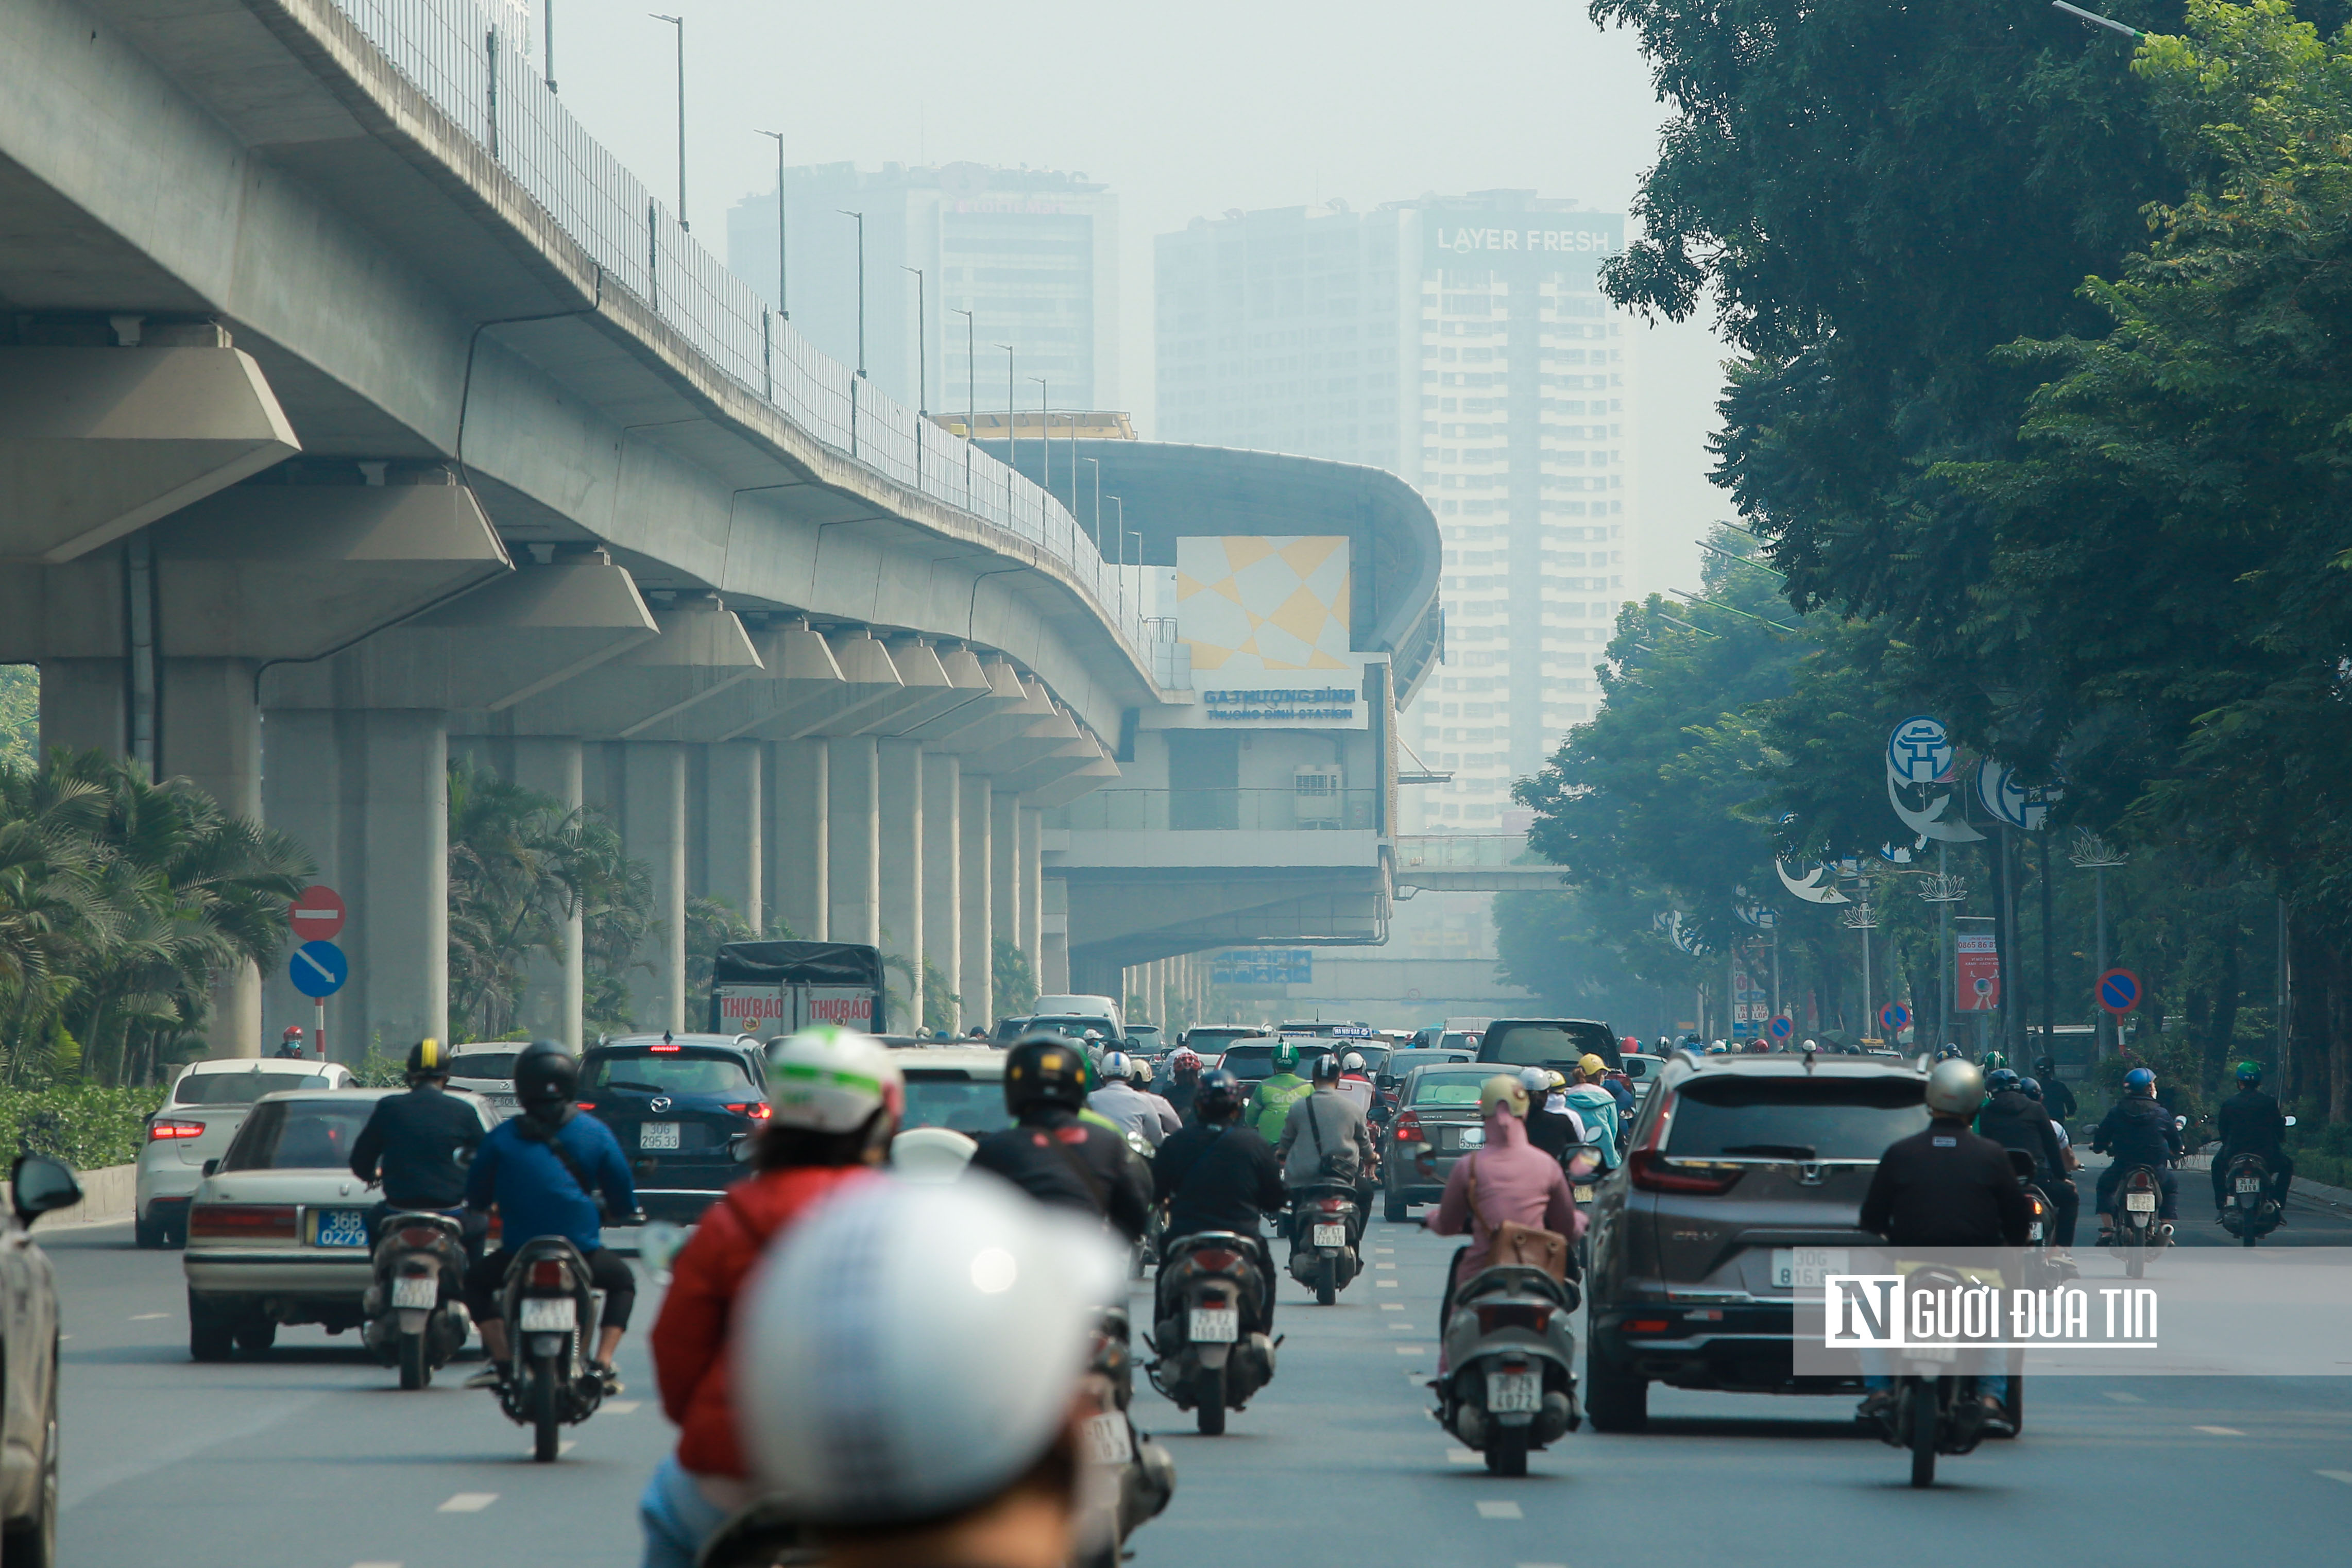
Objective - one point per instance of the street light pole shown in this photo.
(1097, 464)
(1012, 433)
(2094, 853)
(971, 395)
(861, 287)
(680, 23)
(784, 276)
(1044, 448)
(922, 346)
(547, 45)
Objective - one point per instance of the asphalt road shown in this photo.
(312, 1458)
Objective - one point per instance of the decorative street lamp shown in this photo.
(2096, 854)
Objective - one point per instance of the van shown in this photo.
(1100, 1009)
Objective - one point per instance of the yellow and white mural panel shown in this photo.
(1264, 618)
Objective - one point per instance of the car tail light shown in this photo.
(1216, 1257)
(547, 1273)
(756, 1109)
(1513, 1316)
(1646, 1326)
(664, 1050)
(585, 1104)
(243, 1222)
(1654, 1174)
(417, 1236)
(1408, 1129)
(161, 1129)
(1332, 1205)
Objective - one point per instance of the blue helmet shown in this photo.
(1950, 1053)
(2001, 1078)
(2139, 1080)
(2029, 1087)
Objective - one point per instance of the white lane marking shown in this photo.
(1411, 1349)
(1384, 1284)
(566, 1446)
(1538, 1565)
(1384, 1265)
(468, 1502)
(375, 1565)
(1392, 1306)
(2223, 1431)
(2122, 1398)
(1385, 1251)
(2344, 1476)
(147, 1317)
(1402, 1328)
(1493, 1510)
(1461, 1455)
(620, 1406)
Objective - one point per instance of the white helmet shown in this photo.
(1536, 1081)
(931, 1153)
(827, 1078)
(910, 1349)
(1115, 1067)
(1956, 1088)
(1353, 1062)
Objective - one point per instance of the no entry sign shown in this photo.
(318, 913)
(2119, 991)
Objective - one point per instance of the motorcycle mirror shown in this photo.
(658, 1246)
(2180, 1121)
(210, 1166)
(2290, 1122)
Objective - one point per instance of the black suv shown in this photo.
(1554, 1043)
(1745, 1178)
(677, 1103)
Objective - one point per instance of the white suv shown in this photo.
(207, 1104)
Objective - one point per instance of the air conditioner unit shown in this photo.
(1316, 797)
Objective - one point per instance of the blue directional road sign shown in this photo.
(1781, 1028)
(2119, 991)
(318, 969)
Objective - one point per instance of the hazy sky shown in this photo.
(1184, 111)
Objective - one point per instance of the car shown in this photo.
(1554, 1043)
(1734, 1164)
(38, 1184)
(1008, 1030)
(677, 1103)
(958, 1086)
(1435, 1123)
(206, 1104)
(1391, 1069)
(1251, 1060)
(278, 1229)
(1214, 1039)
(487, 1068)
(1439, 1039)
(1143, 1039)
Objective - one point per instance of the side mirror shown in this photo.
(2290, 1122)
(211, 1166)
(39, 1185)
(2180, 1121)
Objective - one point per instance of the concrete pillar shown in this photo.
(734, 864)
(977, 874)
(943, 878)
(853, 824)
(1004, 869)
(653, 829)
(899, 865)
(212, 734)
(85, 704)
(1054, 975)
(798, 840)
(1032, 863)
(553, 986)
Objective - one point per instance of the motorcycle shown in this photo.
(1129, 1477)
(2138, 1229)
(2041, 1268)
(1202, 1362)
(552, 1311)
(2249, 1213)
(1326, 1222)
(1512, 1382)
(415, 1318)
(1934, 1410)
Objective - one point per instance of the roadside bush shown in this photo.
(86, 1125)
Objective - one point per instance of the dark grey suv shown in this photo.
(1745, 1178)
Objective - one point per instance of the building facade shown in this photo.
(1462, 345)
(1033, 254)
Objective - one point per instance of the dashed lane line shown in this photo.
(2344, 1476)
(1411, 1349)
(1493, 1509)
(147, 1317)
(1462, 1455)
(2120, 1397)
(2223, 1431)
(1385, 1284)
(1392, 1306)
(468, 1502)
(620, 1406)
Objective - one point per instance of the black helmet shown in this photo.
(1219, 1096)
(1999, 1079)
(545, 1074)
(1045, 1070)
(2029, 1087)
(428, 1058)
(2043, 1067)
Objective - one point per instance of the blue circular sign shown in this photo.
(1781, 1028)
(2119, 991)
(318, 969)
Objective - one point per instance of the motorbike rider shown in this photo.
(2016, 1120)
(2054, 1094)
(290, 1043)
(1604, 1118)
(1553, 1125)
(1270, 1103)
(413, 1142)
(1506, 1179)
(1054, 1154)
(2137, 1132)
(837, 1100)
(1356, 1081)
(1136, 1109)
(542, 1169)
(1183, 1082)
(1947, 1187)
(848, 1423)
(2249, 1124)
(1327, 1140)
(1219, 1174)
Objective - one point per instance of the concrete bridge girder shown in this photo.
(95, 442)
(796, 666)
(702, 650)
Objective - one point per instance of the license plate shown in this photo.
(1584, 1192)
(657, 1135)
(550, 1314)
(1216, 1325)
(1510, 1393)
(2033, 1231)
(416, 1290)
(2250, 1184)
(2140, 1202)
(1469, 1137)
(1106, 1438)
(1940, 1356)
(1801, 1268)
(340, 1227)
(1330, 1236)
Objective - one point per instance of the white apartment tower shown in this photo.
(1462, 343)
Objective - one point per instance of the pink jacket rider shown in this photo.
(1515, 1182)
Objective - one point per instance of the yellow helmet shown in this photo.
(1592, 1066)
(1503, 1089)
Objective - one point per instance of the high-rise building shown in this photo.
(1462, 343)
(1033, 254)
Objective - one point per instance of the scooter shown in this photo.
(1209, 1287)
(415, 1316)
(1934, 1411)
(1128, 1478)
(1511, 1385)
(2248, 1212)
(552, 1312)
(1326, 1222)
(2139, 1232)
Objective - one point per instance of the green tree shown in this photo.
(1013, 982)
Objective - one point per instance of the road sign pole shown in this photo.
(2098, 1019)
(318, 1024)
